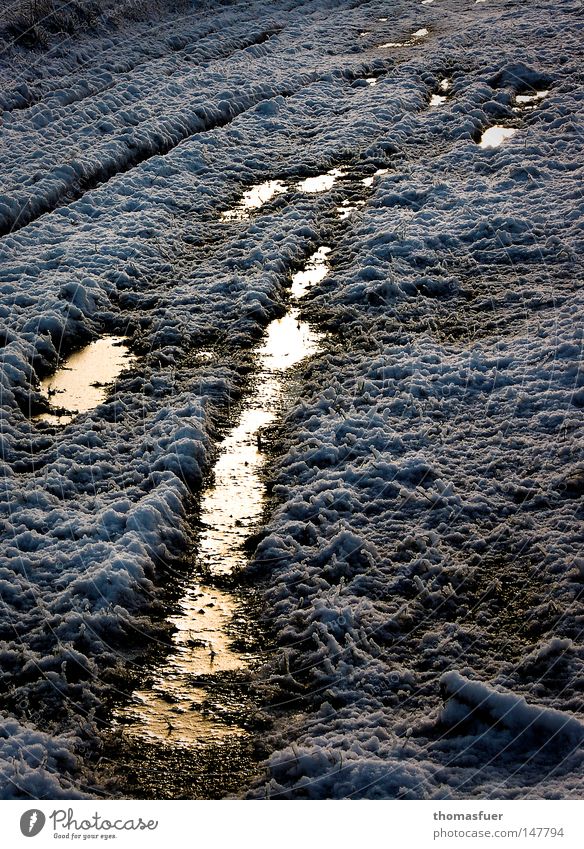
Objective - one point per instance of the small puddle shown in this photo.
(438, 99)
(322, 183)
(528, 102)
(254, 198)
(371, 80)
(368, 181)
(495, 136)
(413, 39)
(82, 382)
(346, 209)
(171, 709)
(315, 270)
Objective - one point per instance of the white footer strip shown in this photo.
(281, 824)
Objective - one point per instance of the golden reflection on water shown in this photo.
(82, 381)
(171, 710)
(315, 270)
(437, 99)
(232, 506)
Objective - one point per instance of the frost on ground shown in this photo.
(422, 568)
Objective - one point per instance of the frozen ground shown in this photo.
(421, 564)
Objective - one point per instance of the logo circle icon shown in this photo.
(32, 822)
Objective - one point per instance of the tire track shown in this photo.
(78, 178)
(49, 97)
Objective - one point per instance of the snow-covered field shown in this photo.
(422, 561)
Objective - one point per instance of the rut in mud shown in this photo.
(196, 706)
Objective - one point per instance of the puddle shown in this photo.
(315, 270)
(232, 507)
(495, 136)
(371, 80)
(438, 99)
(347, 208)
(414, 39)
(368, 181)
(528, 102)
(253, 199)
(322, 183)
(289, 341)
(83, 380)
(172, 710)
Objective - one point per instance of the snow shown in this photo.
(420, 567)
(36, 761)
(511, 711)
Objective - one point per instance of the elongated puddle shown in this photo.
(529, 102)
(415, 38)
(315, 270)
(257, 196)
(172, 708)
(254, 198)
(232, 507)
(322, 183)
(83, 380)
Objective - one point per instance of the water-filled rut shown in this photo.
(193, 701)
